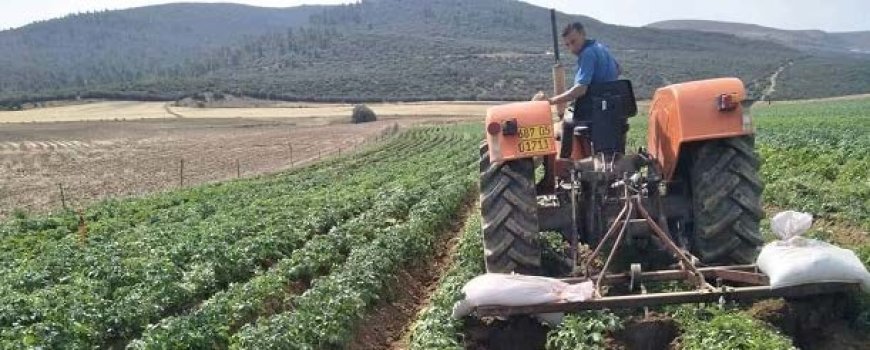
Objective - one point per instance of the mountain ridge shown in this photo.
(811, 39)
(372, 50)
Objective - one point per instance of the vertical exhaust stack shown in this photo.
(558, 69)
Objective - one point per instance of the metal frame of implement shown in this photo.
(753, 284)
(745, 274)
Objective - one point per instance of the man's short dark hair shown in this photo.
(572, 27)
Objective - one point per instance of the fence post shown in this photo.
(62, 196)
(290, 145)
(238, 169)
(181, 173)
(83, 228)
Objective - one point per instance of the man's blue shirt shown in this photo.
(595, 65)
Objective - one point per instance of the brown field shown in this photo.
(131, 110)
(94, 160)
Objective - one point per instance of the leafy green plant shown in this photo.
(435, 327)
(714, 329)
(583, 331)
(324, 316)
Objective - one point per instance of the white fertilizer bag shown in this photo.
(797, 260)
(518, 290)
(790, 224)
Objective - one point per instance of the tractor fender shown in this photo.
(520, 130)
(695, 111)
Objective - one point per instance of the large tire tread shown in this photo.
(726, 193)
(509, 215)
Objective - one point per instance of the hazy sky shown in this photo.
(830, 15)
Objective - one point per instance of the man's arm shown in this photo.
(572, 94)
(585, 70)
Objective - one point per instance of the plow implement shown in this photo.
(713, 284)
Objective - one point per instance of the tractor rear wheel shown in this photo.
(726, 201)
(509, 211)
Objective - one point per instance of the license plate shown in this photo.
(536, 138)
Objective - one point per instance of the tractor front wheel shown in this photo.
(509, 211)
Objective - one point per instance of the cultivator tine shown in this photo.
(588, 261)
(620, 224)
(696, 277)
(615, 247)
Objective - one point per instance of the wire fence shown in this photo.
(188, 172)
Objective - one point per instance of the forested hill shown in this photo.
(374, 50)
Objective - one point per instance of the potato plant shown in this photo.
(325, 315)
(212, 324)
(181, 259)
(435, 328)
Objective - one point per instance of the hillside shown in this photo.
(810, 40)
(374, 50)
(106, 47)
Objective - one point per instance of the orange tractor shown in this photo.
(690, 202)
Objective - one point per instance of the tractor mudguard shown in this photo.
(695, 111)
(520, 130)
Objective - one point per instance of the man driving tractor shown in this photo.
(595, 65)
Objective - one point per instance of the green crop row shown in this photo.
(325, 315)
(816, 158)
(713, 329)
(435, 328)
(216, 320)
(145, 259)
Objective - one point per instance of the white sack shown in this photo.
(518, 290)
(796, 260)
(800, 260)
(790, 224)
